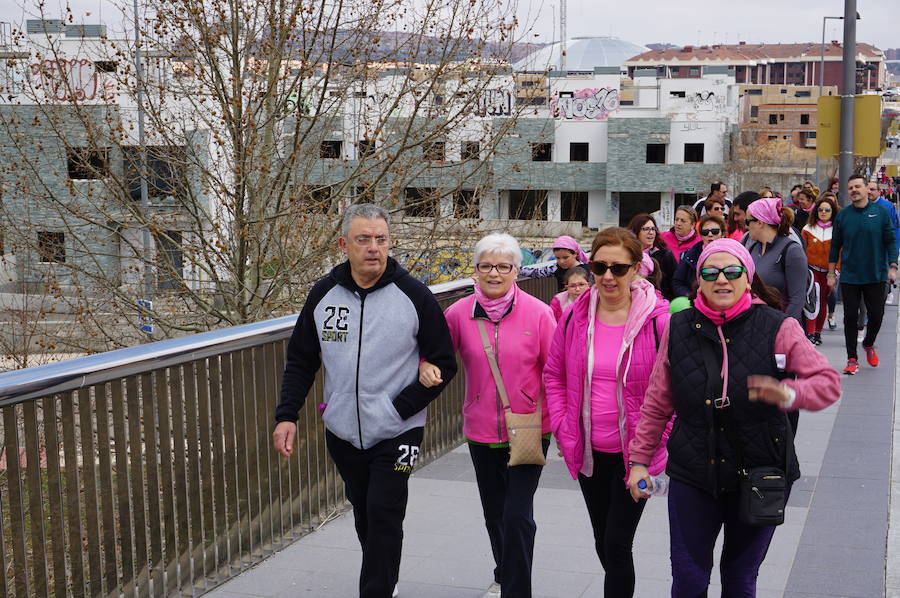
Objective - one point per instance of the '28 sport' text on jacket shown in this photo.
(370, 342)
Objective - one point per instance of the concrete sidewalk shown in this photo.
(834, 541)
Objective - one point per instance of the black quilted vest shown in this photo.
(700, 453)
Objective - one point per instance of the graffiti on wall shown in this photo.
(708, 101)
(585, 104)
(71, 80)
(495, 102)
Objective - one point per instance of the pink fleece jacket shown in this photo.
(817, 385)
(521, 342)
(560, 303)
(677, 246)
(567, 371)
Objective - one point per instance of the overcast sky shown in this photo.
(640, 21)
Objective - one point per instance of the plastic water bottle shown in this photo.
(660, 485)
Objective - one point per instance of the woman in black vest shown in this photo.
(729, 368)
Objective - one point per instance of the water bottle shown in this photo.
(660, 485)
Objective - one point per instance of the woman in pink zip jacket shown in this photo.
(520, 328)
(728, 368)
(683, 234)
(596, 375)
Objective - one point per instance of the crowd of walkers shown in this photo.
(668, 361)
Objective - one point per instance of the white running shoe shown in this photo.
(493, 591)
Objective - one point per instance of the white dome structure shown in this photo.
(582, 54)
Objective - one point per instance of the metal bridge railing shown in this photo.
(149, 471)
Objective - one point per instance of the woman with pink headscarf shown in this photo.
(779, 259)
(568, 255)
(729, 368)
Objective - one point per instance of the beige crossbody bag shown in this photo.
(523, 429)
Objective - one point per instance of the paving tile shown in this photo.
(851, 494)
(865, 560)
(830, 582)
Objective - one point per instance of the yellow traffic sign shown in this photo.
(866, 126)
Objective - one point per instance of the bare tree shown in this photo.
(262, 118)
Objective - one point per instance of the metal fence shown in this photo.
(149, 471)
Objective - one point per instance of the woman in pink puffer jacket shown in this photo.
(595, 378)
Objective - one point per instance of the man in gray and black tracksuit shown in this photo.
(370, 323)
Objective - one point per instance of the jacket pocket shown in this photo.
(340, 417)
(527, 403)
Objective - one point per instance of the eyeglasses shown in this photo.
(485, 268)
(824, 209)
(576, 285)
(718, 208)
(749, 220)
(730, 272)
(649, 229)
(618, 270)
(711, 231)
(366, 240)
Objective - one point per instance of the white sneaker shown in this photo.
(493, 591)
(397, 590)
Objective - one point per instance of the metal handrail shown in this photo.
(28, 383)
(160, 456)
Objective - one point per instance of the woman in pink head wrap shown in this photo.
(568, 255)
(729, 368)
(778, 253)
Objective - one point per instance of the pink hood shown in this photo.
(567, 370)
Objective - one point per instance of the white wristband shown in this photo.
(792, 396)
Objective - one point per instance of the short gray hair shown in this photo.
(369, 211)
(501, 243)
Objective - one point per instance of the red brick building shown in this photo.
(777, 64)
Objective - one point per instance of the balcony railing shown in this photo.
(149, 471)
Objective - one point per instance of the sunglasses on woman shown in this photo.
(618, 270)
(711, 231)
(730, 272)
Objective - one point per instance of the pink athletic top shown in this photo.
(604, 407)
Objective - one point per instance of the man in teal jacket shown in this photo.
(864, 240)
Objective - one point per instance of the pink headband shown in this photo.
(731, 247)
(567, 242)
(646, 268)
(767, 209)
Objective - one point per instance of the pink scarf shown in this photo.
(495, 308)
(821, 224)
(719, 318)
(683, 238)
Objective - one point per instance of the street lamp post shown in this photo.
(845, 159)
(821, 85)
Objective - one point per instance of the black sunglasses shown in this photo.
(730, 272)
(618, 270)
(749, 220)
(711, 231)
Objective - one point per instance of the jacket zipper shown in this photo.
(499, 402)
(362, 309)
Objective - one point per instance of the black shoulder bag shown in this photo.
(762, 490)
